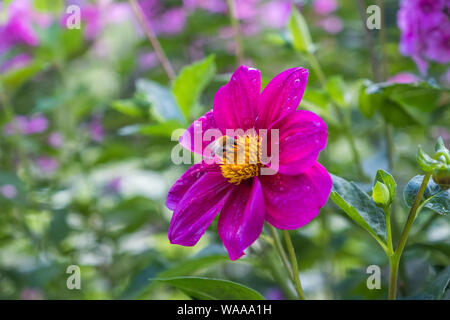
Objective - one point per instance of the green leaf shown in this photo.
(212, 289)
(16, 77)
(426, 163)
(161, 98)
(400, 104)
(434, 198)
(437, 288)
(336, 88)
(128, 107)
(301, 38)
(387, 179)
(360, 207)
(190, 83)
(194, 265)
(161, 129)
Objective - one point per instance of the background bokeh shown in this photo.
(86, 122)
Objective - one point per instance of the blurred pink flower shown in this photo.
(47, 165)
(18, 28)
(275, 14)
(164, 20)
(425, 31)
(31, 294)
(403, 77)
(147, 60)
(213, 6)
(325, 7)
(331, 24)
(90, 18)
(23, 125)
(17, 62)
(114, 185)
(96, 129)
(274, 294)
(441, 132)
(36, 124)
(17, 126)
(55, 139)
(8, 191)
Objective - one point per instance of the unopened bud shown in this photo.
(380, 195)
(442, 177)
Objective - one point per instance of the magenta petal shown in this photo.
(281, 96)
(198, 208)
(192, 138)
(185, 182)
(293, 201)
(242, 218)
(235, 104)
(303, 135)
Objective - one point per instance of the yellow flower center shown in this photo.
(241, 158)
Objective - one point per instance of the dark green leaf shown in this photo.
(194, 265)
(400, 104)
(437, 288)
(360, 207)
(212, 289)
(434, 198)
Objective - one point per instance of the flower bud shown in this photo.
(425, 162)
(441, 151)
(442, 177)
(380, 195)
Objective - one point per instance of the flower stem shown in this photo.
(280, 250)
(236, 31)
(389, 230)
(394, 260)
(291, 251)
(393, 275)
(151, 35)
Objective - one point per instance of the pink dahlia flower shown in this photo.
(289, 198)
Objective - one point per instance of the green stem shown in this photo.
(151, 35)
(291, 251)
(280, 250)
(394, 260)
(388, 230)
(236, 30)
(393, 275)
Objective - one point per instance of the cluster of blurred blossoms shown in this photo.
(425, 27)
(18, 28)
